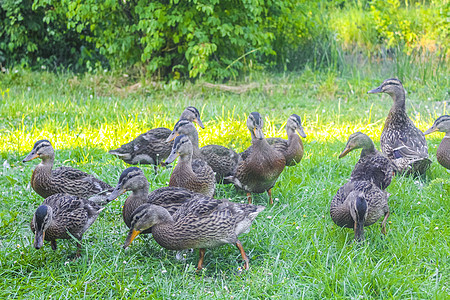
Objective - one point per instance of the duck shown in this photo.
(46, 182)
(192, 174)
(401, 141)
(200, 223)
(292, 148)
(133, 179)
(358, 204)
(372, 165)
(62, 216)
(221, 159)
(151, 147)
(442, 124)
(259, 171)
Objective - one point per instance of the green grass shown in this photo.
(295, 250)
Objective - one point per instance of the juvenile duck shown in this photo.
(151, 147)
(195, 175)
(373, 165)
(401, 141)
(259, 171)
(358, 204)
(63, 215)
(221, 159)
(442, 124)
(133, 179)
(292, 148)
(199, 223)
(47, 182)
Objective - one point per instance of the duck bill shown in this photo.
(375, 91)
(173, 155)
(131, 235)
(359, 231)
(199, 123)
(119, 190)
(301, 132)
(431, 130)
(32, 155)
(172, 136)
(258, 133)
(39, 239)
(345, 152)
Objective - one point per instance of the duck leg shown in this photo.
(249, 198)
(53, 244)
(202, 256)
(78, 249)
(244, 256)
(383, 224)
(269, 192)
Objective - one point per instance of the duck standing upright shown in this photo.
(442, 124)
(401, 141)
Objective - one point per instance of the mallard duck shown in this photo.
(442, 124)
(258, 172)
(133, 179)
(201, 223)
(47, 182)
(358, 204)
(372, 165)
(62, 216)
(401, 141)
(292, 148)
(221, 159)
(151, 147)
(195, 175)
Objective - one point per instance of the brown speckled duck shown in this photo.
(192, 174)
(358, 204)
(373, 165)
(151, 147)
(442, 124)
(401, 141)
(200, 223)
(292, 148)
(47, 182)
(61, 216)
(259, 171)
(133, 179)
(221, 159)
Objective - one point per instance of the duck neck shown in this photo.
(368, 149)
(193, 136)
(43, 171)
(136, 199)
(399, 101)
(184, 163)
(292, 136)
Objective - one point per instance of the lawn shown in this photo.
(295, 249)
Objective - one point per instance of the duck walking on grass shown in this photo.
(151, 147)
(373, 165)
(47, 182)
(195, 175)
(442, 124)
(62, 216)
(358, 204)
(259, 171)
(401, 141)
(200, 223)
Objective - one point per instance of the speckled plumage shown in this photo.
(442, 124)
(47, 182)
(62, 215)
(260, 170)
(373, 165)
(359, 202)
(195, 175)
(401, 141)
(202, 222)
(292, 148)
(151, 147)
(221, 159)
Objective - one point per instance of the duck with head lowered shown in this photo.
(401, 141)
(442, 124)
(152, 147)
(46, 181)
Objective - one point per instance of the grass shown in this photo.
(295, 250)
